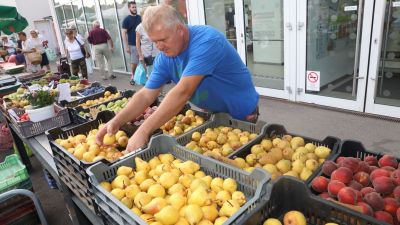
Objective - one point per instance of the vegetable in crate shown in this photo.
(370, 184)
(182, 123)
(40, 98)
(170, 191)
(114, 106)
(291, 218)
(84, 147)
(285, 156)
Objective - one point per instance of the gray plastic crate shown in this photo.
(224, 119)
(252, 185)
(28, 128)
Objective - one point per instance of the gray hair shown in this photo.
(96, 23)
(162, 14)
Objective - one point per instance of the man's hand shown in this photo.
(128, 50)
(109, 128)
(138, 140)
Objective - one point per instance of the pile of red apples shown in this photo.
(371, 184)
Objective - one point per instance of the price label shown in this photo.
(350, 8)
(396, 4)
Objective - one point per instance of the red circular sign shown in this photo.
(312, 77)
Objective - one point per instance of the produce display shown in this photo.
(291, 218)
(285, 156)
(182, 123)
(221, 141)
(17, 99)
(114, 106)
(372, 185)
(168, 191)
(107, 97)
(84, 147)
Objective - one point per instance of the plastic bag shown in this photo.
(89, 66)
(51, 54)
(140, 75)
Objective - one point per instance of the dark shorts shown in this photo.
(45, 60)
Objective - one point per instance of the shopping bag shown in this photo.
(51, 54)
(89, 66)
(140, 75)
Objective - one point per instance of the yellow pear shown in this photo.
(199, 197)
(136, 210)
(229, 208)
(154, 162)
(106, 185)
(123, 141)
(177, 200)
(322, 152)
(168, 215)
(168, 179)
(198, 183)
(141, 165)
(208, 180)
(166, 158)
(121, 181)
(186, 180)
(124, 170)
(193, 214)
(154, 206)
(148, 218)
(119, 134)
(188, 167)
(144, 186)
(205, 222)
(140, 176)
(220, 220)
(128, 202)
(182, 221)
(131, 191)
(272, 221)
(141, 199)
(156, 190)
(199, 174)
(229, 185)
(222, 197)
(209, 213)
(118, 193)
(239, 197)
(217, 184)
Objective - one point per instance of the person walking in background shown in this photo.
(129, 35)
(99, 37)
(39, 44)
(146, 49)
(27, 47)
(77, 52)
(20, 58)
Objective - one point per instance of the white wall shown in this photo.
(8, 2)
(32, 10)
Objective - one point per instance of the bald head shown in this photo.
(161, 15)
(96, 24)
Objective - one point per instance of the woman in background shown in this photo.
(39, 44)
(75, 53)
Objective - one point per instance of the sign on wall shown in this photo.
(313, 80)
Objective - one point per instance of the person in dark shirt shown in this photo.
(129, 34)
(99, 38)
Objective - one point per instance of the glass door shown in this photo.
(383, 95)
(333, 52)
(260, 31)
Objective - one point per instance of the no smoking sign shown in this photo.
(313, 80)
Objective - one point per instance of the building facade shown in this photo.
(337, 53)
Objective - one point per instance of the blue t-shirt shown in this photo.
(227, 85)
(130, 23)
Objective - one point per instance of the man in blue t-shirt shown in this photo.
(205, 67)
(129, 25)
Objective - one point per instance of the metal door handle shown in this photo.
(289, 26)
(300, 25)
(357, 55)
(359, 78)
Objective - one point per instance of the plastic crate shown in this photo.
(73, 171)
(223, 119)
(288, 193)
(252, 185)
(82, 119)
(29, 129)
(350, 148)
(94, 84)
(75, 103)
(12, 173)
(276, 131)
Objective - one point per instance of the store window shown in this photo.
(69, 16)
(90, 11)
(110, 22)
(123, 11)
(180, 6)
(80, 18)
(61, 20)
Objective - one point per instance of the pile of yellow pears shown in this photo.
(167, 191)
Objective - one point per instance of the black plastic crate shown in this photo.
(288, 193)
(75, 103)
(272, 131)
(82, 119)
(350, 148)
(73, 171)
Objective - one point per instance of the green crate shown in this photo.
(12, 172)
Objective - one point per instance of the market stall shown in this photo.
(198, 168)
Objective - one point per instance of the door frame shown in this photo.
(365, 39)
(376, 45)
